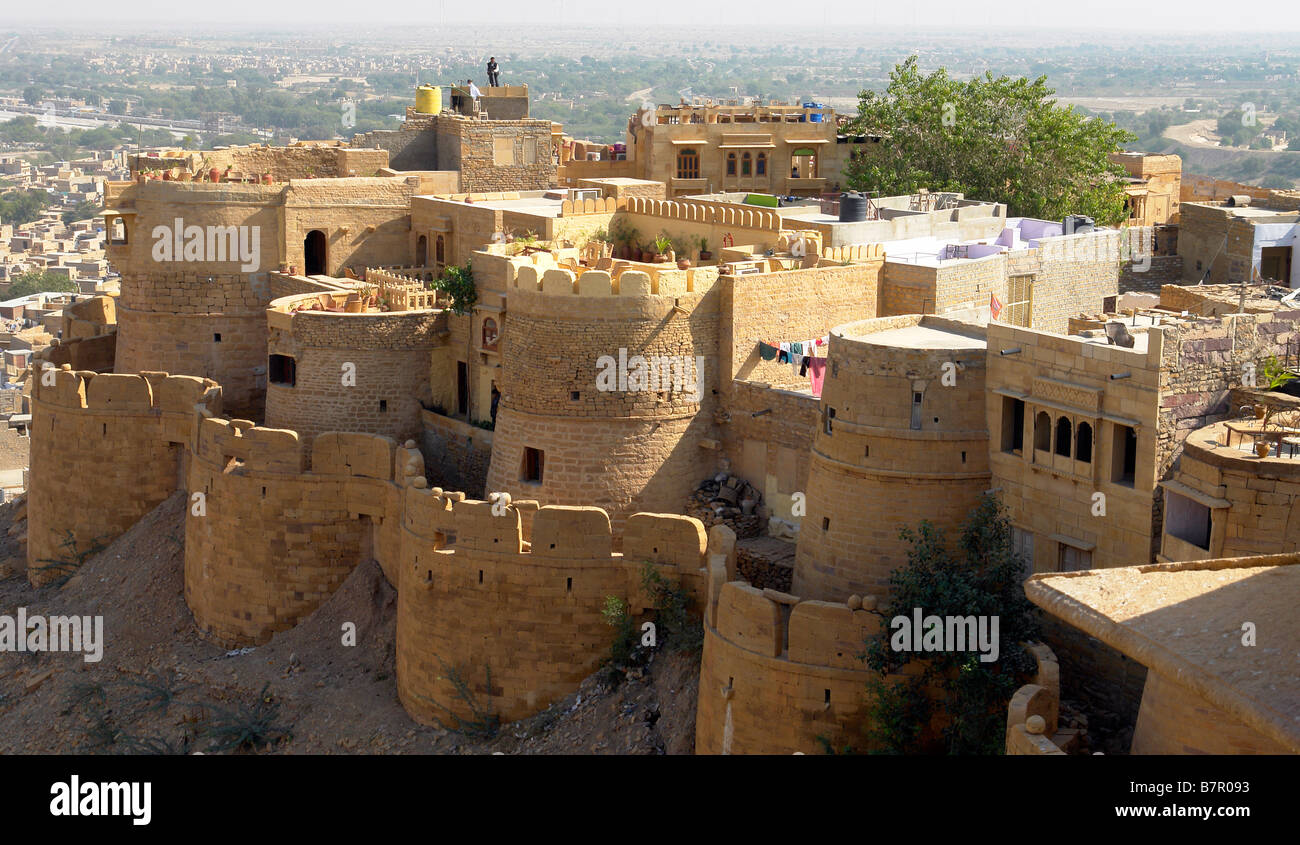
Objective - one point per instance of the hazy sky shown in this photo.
(1134, 16)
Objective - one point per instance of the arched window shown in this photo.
(489, 333)
(746, 165)
(314, 251)
(1043, 431)
(1064, 432)
(731, 164)
(760, 165)
(439, 254)
(1083, 443)
(688, 164)
(422, 251)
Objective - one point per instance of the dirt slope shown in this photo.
(162, 688)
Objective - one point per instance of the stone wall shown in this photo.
(880, 461)
(1251, 499)
(1163, 270)
(105, 450)
(1206, 189)
(1175, 720)
(767, 436)
(777, 674)
(1212, 239)
(272, 541)
(1063, 381)
(793, 305)
(1033, 713)
(364, 372)
(15, 449)
(456, 454)
(282, 163)
(496, 155)
(624, 447)
(205, 314)
(408, 148)
(526, 617)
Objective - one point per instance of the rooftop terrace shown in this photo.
(1184, 620)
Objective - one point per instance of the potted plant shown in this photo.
(625, 236)
(1262, 448)
(663, 249)
(683, 253)
(1276, 375)
(705, 254)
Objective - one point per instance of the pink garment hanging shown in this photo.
(817, 372)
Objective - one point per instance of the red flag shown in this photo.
(995, 307)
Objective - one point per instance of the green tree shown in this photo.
(80, 211)
(40, 281)
(20, 207)
(982, 579)
(33, 94)
(1002, 139)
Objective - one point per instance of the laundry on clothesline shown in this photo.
(801, 355)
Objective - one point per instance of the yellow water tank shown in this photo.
(428, 99)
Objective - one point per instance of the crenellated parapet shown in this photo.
(779, 674)
(105, 450)
(517, 622)
(607, 388)
(272, 529)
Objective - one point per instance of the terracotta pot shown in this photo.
(1262, 448)
(214, 175)
(637, 255)
(705, 255)
(1260, 410)
(683, 264)
(266, 178)
(167, 175)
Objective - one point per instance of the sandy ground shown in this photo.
(1138, 104)
(162, 688)
(1198, 133)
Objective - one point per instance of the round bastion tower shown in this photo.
(195, 288)
(902, 438)
(579, 422)
(358, 372)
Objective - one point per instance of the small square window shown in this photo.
(533, 465)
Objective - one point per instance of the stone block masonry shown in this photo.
(902, 437)
(627, 449)
(363, 372)
(105, 450)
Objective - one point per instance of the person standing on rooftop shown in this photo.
(494, 75)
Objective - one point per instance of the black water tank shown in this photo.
(1077, 224)
(853, 207)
